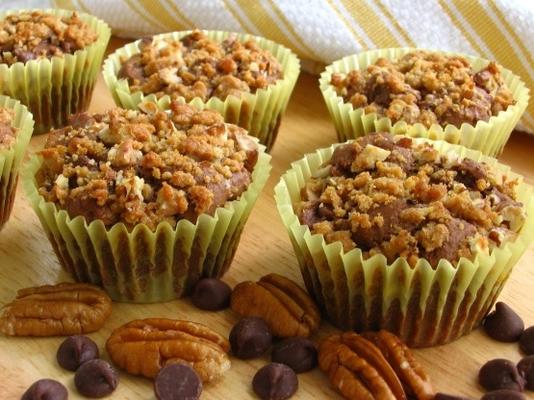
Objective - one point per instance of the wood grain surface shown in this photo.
(27, 259)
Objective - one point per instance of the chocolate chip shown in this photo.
(500, 374)
(211, 294)
(177, 382)
(504, 324)
(75, 350)
(526, 341)
(275, 382)
(46, 389)
(503, 395)
(95, 379)
(250, 338)
(443, 396)
(300, 354)
(526, 369)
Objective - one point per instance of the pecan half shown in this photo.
(357, 368)
(143, 347)
(414, 379)
(56, 310)
(284, 305)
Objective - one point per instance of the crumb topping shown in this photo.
(388, 195)
(8, 133)
(428, 88)
(32, 35)
(197, 66)
(146, 166)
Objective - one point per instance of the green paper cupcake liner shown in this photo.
(11, 158)
(489, 137)
(422, 305)
(142, 265)
(260, 113)
(55, 88)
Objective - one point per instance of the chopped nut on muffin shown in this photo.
(146, 167)
(8, 132)
(428, 88)
(389, 195)
(33, 35)
(197, 66)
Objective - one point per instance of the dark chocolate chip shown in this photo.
(95, 379)
(250, 338)
(444, 396)
(504, 324)
(503, 395)
(275, 382)
(526, 341)
(75, 350)
(177, 382)
(300, 354)
(526, 369)
(211, 294)
(500, 374)
(46, 389)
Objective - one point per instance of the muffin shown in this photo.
(146, 202)
(460, 99)
(404, 234)
(16, 126)
(49, 60)
(248, 79)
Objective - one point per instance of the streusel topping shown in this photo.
(8, 132)
(388, 195)
(426, 87)
(32, 35)
(197, 66)
(146, 167)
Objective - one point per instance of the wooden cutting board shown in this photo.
(27, 259)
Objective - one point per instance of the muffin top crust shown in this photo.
(428, 88)
(389, 195)
(197, 66)
(33, 35)
(8, 133)
(146, 166)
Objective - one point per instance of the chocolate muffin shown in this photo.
(145, 168)
(147, 202)
(197, 66)
(428, 88)
(32, 35)
(387, 195)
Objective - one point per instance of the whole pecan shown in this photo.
(357, 368)
(143, 347)
(284, 305)
(414, 379)
(53, 310)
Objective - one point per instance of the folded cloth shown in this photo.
(322, 31)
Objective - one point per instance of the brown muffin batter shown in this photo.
(32, 35)
(426, 87)
(387, 195)
(196, 66)
(8, 133)
(146, 167)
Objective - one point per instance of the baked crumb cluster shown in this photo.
(32, 35)
(8, 133)
(197, 66)
(428, 88)
(146, 167)
(388, 195)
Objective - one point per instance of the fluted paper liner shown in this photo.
(55, 88)
(142, 265)
(11, 157)
(422, 305)
(259, 113)
(489, 137)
